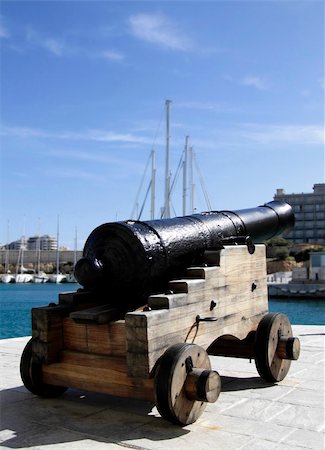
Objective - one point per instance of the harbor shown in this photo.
(16, 301)
(162, 245)
(306, 282)
(38, 267)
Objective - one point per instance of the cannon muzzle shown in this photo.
(129, 260)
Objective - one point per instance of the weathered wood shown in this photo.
(97, 373)
(75, 298)
(233, 347)
(98, 314)
(104, 339)
(144, 354)
(288, 348)
(272, 360)
(234, 293)
(75, 335)
(82, 299)
(177, 383)
(202, 385)
(47, 331)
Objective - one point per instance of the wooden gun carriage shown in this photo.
(159, 350)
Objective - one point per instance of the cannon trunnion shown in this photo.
(159, 350)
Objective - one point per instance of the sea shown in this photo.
(17, 300)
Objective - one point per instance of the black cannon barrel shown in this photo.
(129, 260)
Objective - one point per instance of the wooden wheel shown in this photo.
(31, 375)
(275, 347)
(184, 383)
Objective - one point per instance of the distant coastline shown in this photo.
(47, 259)
(296, 291)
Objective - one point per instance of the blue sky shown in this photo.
(83, 88)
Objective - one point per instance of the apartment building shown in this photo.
(44, 242)
(309, 209)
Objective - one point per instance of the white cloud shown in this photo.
(111, 136)
(112, 55)
(207, 106)
(21, 132)
(157, 29)
(255, 81)
(54, 46)
(70, 173)
(264, 136)
(261, 137)
(283, 134)
(4, 33)
(88, 135)
(305, 92)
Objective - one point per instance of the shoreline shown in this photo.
(313, 291)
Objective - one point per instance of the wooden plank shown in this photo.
(47, 331)
(47, 321)
(232, 347)
(142, 357)
(106, 339)
(161, 322)
(97, 373)
(82, 298)
(167, 301)
(186, 286)
(98, 314)
(202, 272)
(47, 352)
(75, 335)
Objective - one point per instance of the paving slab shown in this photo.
(249, 414)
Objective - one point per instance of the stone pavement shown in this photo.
(249, 414)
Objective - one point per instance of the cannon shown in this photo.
(158, 298)
(133, 259)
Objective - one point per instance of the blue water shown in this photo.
(16, 301)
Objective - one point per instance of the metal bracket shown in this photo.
(240, 240)
(205, 319)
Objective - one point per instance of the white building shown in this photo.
(44, 242)
(317, 266)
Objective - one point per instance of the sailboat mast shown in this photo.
(38, 247)
(192, 185)
(185, 176)
(75, 247)
(153, 184)
(167, 169)
(7, 250)
(57, 247)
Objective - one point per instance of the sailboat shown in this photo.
(70, 277)
(7, 276)
(21, 272)
(40, 276)
(57, 277)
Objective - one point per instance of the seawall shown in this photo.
(46, 256)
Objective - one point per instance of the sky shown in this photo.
(83, 91)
